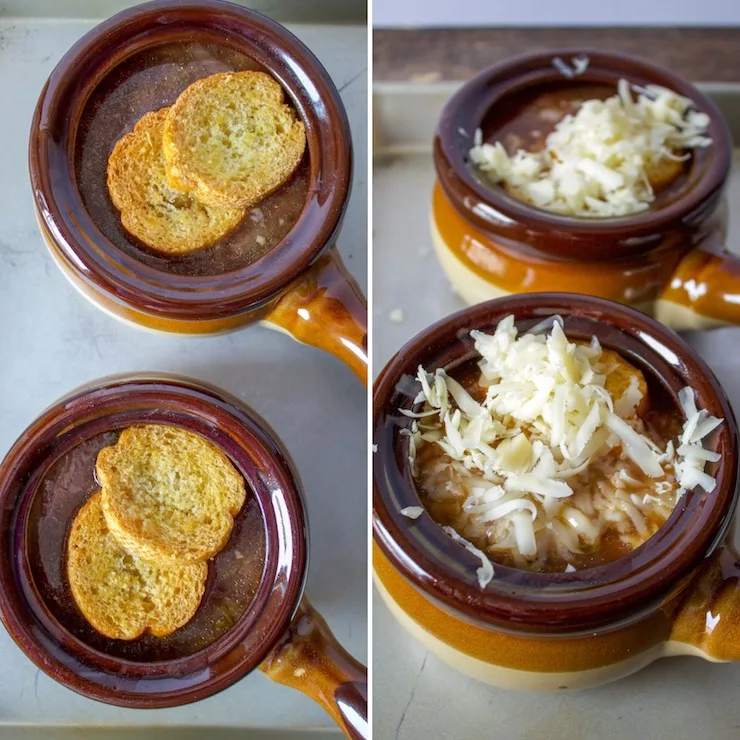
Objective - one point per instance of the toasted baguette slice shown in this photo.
(664, 172)
(231, 140)
(168, 494)
(622, 378)
(121, 595)
(168, 220)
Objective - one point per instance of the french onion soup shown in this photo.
(102, 590)
(588, 150)
(552, 455)
(195, 239)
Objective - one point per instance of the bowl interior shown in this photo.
(150, 79)
(60, 488)
(254, 583)
(537, 601)
(141, 60)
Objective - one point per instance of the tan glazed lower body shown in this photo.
(479, 272)
(522, 662)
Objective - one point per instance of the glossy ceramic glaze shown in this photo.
(141, 290)
(265, 630)
(669, 261)
(536, 630)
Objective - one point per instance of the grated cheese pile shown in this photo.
(601, 161)
(549, 461)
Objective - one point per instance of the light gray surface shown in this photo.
(283, 11)
(473, 13)
(53, 340)
(417, 696)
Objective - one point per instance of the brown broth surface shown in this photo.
(148, 81)
(233, 575)
(530, 116)
(662, 421)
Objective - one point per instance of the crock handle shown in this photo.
(326, 309)
(708, 620)
(309, 658)
(703, 292)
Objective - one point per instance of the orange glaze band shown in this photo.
(705, 282)
(630, 282)
(537, 654)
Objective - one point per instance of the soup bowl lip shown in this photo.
(244, 436)
(494, 211)
(603, 597)
(72, 229)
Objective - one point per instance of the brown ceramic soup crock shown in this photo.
(141, 60)
(677, 594)
(668, 261)
(253, 613)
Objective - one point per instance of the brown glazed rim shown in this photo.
(117, 402)
(90, 254)
(493, 210)
(602, 597)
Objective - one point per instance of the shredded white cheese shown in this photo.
(692, 457)
(580, 65)
(601, 161)
(486, 572)
(412, 512)
(519, 460)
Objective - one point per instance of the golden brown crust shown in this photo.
(167, 219)
(231, 139)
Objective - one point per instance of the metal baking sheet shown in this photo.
(415, 695)
(52, 341)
